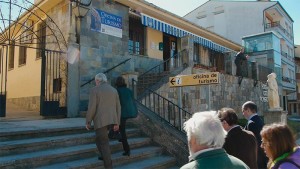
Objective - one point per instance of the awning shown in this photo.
(178, 32)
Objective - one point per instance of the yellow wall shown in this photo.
(153, 37)
(25, 80)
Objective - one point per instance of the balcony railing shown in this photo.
(288, 80)
(277, 24)
(284, 54)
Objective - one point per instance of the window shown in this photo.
(41, 40)
(57, 85)
(201, 14)
(219, 10)
(196, 53)
(136, 37)
(22, 55)
(11, 55)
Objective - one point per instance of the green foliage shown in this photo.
(242, 122)
(294, 125)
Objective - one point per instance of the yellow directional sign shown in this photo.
(194, 79)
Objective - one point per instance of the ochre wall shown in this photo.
(24, 80)
(153, 37)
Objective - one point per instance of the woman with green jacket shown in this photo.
(128, 110)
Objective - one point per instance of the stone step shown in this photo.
(39, 143)
(56, 155)
(137, 154)
(31, 132)
(5, 136)
(157, 162)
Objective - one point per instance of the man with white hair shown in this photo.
(206, 137)
(104, 110)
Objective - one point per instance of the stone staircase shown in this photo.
(148, 80)
(74, 147)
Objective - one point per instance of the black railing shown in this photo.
(108, 70)
(163, 108)
(288, 80)
(153, 75)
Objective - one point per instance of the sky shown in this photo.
(182, 7)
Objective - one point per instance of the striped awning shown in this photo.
(178, 32)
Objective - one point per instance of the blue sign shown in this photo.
(106, 23)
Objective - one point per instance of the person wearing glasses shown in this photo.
(280, 146)
(238, 142)
(255, 125)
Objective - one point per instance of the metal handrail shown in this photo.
(161, 64)
(108, 70)
(162, 107)
(152, 76)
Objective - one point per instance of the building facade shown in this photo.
(297, 64)
(236, 20)
(112, 32)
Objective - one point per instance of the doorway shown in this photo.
(169, 50)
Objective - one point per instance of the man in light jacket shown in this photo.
(104, 110)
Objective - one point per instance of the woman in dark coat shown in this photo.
(128, 110)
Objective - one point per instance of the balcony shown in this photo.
(288, 80)
(277, 25)
(284, 54)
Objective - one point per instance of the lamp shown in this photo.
(80, 7)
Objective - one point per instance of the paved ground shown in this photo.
(18, 119)
(14, 112)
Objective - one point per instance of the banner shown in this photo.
(106, 23)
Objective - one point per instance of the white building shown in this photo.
(237, 19)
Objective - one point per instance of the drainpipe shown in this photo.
(70, 13)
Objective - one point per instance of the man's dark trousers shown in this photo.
(102, 143)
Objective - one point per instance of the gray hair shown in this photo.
(206, 128)
(101, 77)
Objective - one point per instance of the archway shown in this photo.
(33, 67)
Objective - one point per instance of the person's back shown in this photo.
(104, 110)
(238, 142)
(255, 125)
(242, 144)
(107, 100)
(128, 105)
(215, 159)
(206, 137)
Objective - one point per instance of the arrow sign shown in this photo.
(194, 79)
(172, 81)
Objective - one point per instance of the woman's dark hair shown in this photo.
(280, 138)
(120, 82)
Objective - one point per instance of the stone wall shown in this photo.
(28, 103)
(228, 93)
(172, 140)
